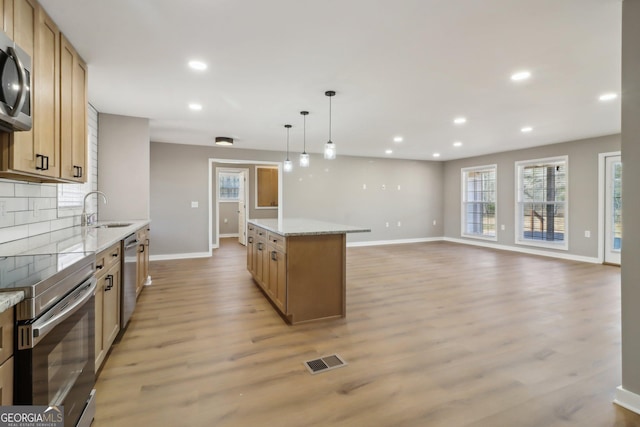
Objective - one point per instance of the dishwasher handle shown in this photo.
(132, 244)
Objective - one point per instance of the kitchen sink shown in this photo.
(113, 225)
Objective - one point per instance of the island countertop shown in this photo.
(305, 227)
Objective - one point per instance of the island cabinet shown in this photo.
(6, 357)
(107, 301)
(302, 273)
(142, 269)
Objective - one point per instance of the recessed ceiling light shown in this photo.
(397, 139)
(436, 154)
(608, 96)
(460, 120)
(195, 107)
(224, 140)
(520, 75)
(388, 151)
(457, 144)
(526, 129)
(198, 65)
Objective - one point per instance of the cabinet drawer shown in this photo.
(6, 334)
(251, 229)
(107, 258)
(261, 233)
(280, 242)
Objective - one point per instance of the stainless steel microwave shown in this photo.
(15, 86)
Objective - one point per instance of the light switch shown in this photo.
(364, 186)
(399, 223)
(587, 233)
(502, 227)
(398, 187)
(194, 204)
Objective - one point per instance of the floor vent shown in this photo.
(325, 363)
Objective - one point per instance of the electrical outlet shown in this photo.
(587, 233)
(386, 224)
(398, 187)
(502, 227)
(384, 187)
(399, 223)
(226, 220)
(364, 186)
(194, 204)
(435, 222)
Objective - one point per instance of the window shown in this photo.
(229, 186)
(479, 202)
(542, 210)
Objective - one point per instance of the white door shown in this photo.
(242, 209)
(613, 210)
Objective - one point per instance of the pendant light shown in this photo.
(288, 165)
(304, 157)
(330, 147)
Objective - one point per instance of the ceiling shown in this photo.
(400, 68)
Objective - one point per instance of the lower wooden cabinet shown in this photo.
(142, 275)
(6, 356)
(107, 301)
(278, 277)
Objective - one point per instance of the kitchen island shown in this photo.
(300, 265)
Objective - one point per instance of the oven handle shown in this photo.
(80, 296)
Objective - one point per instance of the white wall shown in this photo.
(123, 167)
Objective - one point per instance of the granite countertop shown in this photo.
(9, 299)
(73, 239)
(305, 227)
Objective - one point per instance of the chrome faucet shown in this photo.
(86, 217)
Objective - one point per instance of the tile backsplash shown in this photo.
(30, 209)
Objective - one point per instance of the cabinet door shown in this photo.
(111, 307)
(100, 351)
(250, 252)
(6, 382)
(46, 93)
(22, 147)
(73, 114)
(259, 260)
(277, 278)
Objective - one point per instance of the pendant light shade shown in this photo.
(288, 165)
(304, 157)
(330, 147)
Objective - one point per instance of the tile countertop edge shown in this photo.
(9, 299)
(305, 227)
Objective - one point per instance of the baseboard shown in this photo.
(627, 399)
(223, 236)
(529, 251)
(165, 257)
(394, 242)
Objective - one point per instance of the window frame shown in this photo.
(463, 202)
(224, 171)
(519, 205)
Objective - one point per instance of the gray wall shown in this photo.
(328, 190)
(631, 196)
(583, 190)
(123, 166)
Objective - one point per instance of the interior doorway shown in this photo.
(232, 198)
(611, 207)
(241, 207)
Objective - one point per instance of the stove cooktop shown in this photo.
(28, 272)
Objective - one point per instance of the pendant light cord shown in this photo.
(287, 143)
(330, 119)
(304, 133)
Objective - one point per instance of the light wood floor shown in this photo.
(436, 334)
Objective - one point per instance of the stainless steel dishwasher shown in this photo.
(129, 278)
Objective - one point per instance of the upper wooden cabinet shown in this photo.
(73, 113)
(55, 149)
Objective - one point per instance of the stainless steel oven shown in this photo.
(54, 358)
